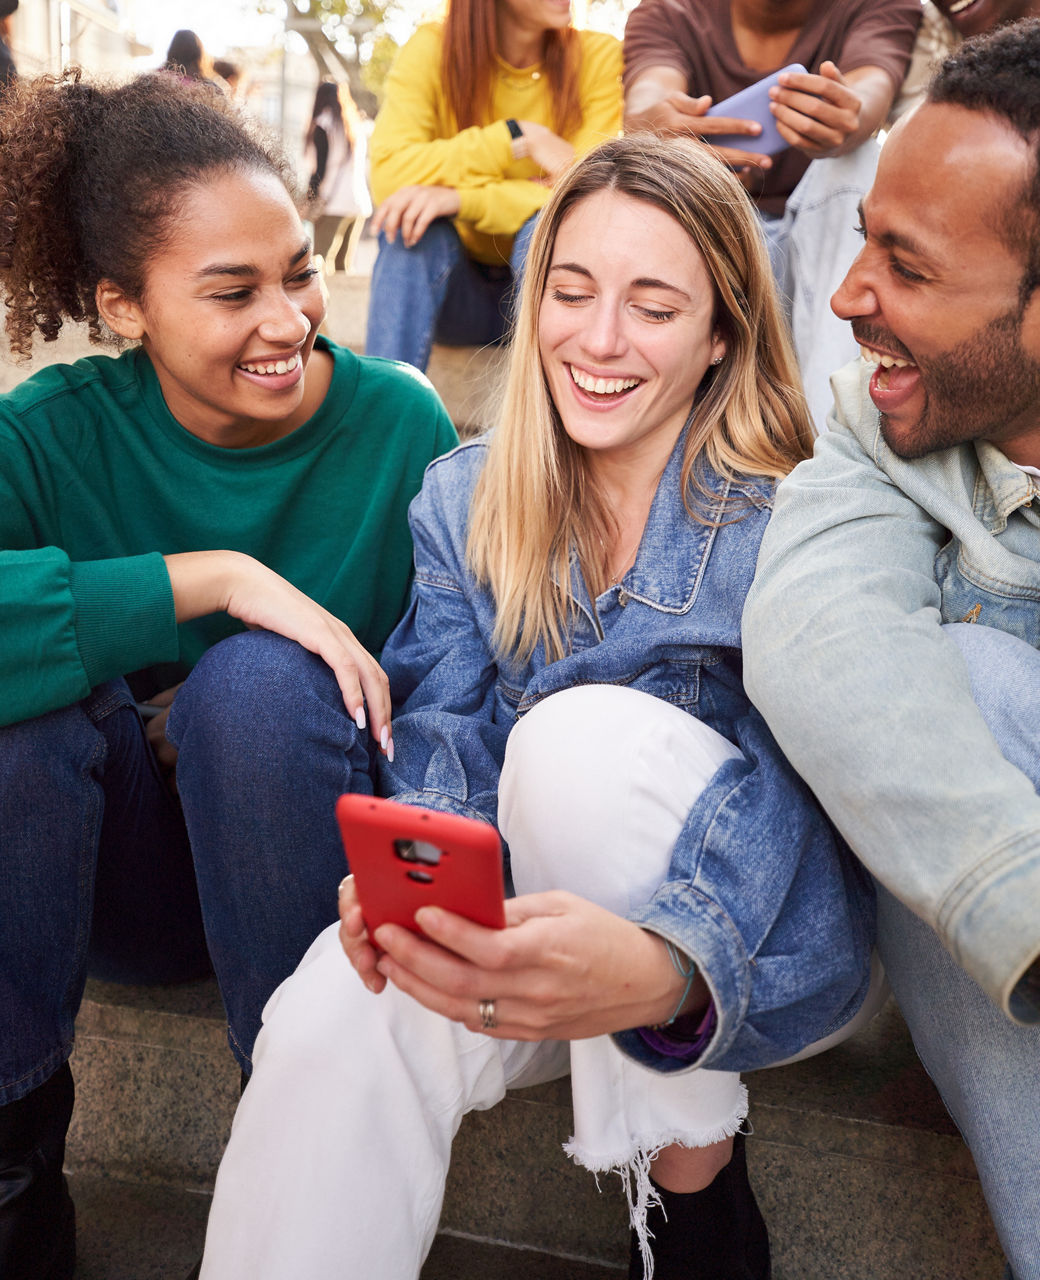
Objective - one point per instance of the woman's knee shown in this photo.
(258, 705)
(253, 679)
(596, 785)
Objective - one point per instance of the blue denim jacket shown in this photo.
(867, 554)
(761, 893)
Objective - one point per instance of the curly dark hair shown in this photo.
(92, 179)
(999, 73)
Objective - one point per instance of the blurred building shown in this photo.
(50, 34)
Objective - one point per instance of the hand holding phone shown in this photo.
(752, 104)
(404, 857)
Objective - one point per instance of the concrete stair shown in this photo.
(859, 1171)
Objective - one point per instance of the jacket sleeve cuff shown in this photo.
(702, 930)
(125, 617)
(440, 802)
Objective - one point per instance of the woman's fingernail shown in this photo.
(384, 737)
(390, 750)
(359, 719)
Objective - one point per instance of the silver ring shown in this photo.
(488, 1021)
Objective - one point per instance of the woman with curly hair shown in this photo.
(482, 113)
(211, 525)
(569, 670)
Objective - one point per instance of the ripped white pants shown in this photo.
(340, 1148)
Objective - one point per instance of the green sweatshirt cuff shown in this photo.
(125, 617)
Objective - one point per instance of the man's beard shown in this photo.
(974, 392)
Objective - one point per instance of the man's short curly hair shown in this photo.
(999, 73)
(92, 179)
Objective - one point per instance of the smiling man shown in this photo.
(891, 636)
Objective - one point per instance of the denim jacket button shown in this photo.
(622, 597)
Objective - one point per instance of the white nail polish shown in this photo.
(390, 750)
(384, 737)
(359, 719)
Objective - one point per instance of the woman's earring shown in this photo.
(717, 360)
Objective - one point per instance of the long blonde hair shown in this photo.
(535, 503)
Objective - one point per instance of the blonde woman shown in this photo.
(569, 669)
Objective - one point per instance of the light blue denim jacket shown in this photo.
(762, 893)
(866, 556)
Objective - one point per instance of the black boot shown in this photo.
(37, 1220)
(715, 1234)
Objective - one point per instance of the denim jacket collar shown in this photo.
(657, 579)
(1001, 488)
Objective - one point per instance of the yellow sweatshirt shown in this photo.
(415, 141)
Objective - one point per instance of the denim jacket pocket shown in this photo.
(971, 594)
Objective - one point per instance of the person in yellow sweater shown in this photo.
(483, 111)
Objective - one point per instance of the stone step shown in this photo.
(860, 1172)
(133, 1231)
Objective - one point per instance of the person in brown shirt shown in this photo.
(683, 55)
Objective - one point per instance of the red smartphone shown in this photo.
(752, 104)
(404, 858)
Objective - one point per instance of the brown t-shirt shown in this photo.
(696, 37)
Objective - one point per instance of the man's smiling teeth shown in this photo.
(960, 6)
(276, 366)
(602, 386)
(886, 361)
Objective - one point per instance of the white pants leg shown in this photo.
(340, 1147)
(597, 785)
(339, 1151)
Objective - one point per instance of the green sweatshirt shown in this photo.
(98, 481)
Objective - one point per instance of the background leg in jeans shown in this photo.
(986, 1067)
(434, 291)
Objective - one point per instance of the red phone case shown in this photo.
(466, 880)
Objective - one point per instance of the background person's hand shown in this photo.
(817, 114)
(410, 210)
(551, 153)
(677, 114)
(155, 731)
(562, 969)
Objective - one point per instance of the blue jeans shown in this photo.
(435, 291)
(100, 865)
(986, 1067)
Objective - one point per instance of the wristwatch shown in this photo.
(517, 141)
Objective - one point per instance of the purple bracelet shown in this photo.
(673, 1046)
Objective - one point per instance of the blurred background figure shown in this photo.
(230, 73)
(337, 191)
(186, 57)
(482, 113)
(7, 67)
